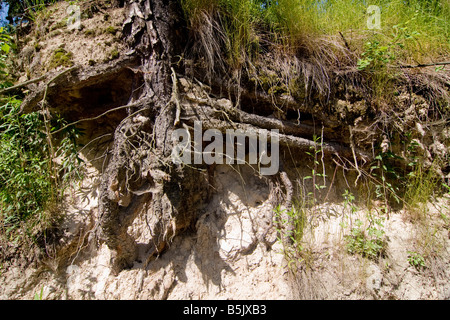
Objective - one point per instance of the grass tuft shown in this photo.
(320, 38)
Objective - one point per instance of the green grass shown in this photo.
(426, 21)
(421, 186)
(228, 24)
(309, 41)
(423, 25)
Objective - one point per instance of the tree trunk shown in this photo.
(142, 177)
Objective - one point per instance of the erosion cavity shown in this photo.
(96, 95)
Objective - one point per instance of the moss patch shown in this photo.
(111, 30)
(90, 33)
(54, 33)
(60, 57)
(114, 54)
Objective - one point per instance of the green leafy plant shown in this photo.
(32, 176)
(29, 177)
(368, 242)
(386, 178)
(5, 48)
(25, 184)
(297, 217)
(416, 260)
(349, 202)
(383, 51)
(375, 56)
(39, 295)
(315, 176)
(296, 253)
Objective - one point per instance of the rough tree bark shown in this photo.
(143, 178)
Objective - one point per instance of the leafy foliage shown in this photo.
(387, 177)
(36, 166)
(28, 185)
(316, 175)
(26, 8)
(5, 47)
(25, 179)
(416, 260)
(375, 56)
(367, 242)
(297, 253)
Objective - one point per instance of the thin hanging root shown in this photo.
(175, 98)
(289, 189)
(354, 156)
(290, 227)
